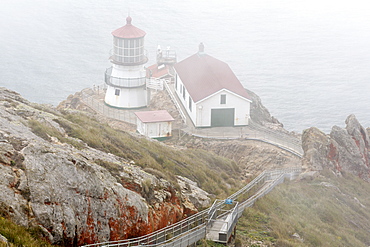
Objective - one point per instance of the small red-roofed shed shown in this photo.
(210, 92)
(154, 124)
(159, 71)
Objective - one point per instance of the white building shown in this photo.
(126, 79)
(154, 124)
(210, 92)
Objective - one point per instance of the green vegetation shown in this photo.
(19, 236)
(46, 131)
(327, 211)
(215, 174)
(204, 243)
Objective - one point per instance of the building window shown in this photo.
(183, 91)
(223, 99)
(189, 103)
(117, 92)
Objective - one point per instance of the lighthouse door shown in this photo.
(222, 117)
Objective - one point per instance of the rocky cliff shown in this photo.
(76, 194)
(260, 114)
(343, 150)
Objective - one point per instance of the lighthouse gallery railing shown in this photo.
(123, 82)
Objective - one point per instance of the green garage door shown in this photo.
(222, 117)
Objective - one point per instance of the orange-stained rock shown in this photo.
(75, 196)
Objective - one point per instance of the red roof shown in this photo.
(204, 75)
(158, 71)
(128, 31)
(154, 116)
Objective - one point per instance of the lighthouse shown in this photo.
(126, 78)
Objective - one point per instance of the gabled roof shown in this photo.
(128, 31)
(204, 75)
(154, 116)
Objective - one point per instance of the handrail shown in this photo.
(159, 234)
(182, 114)
(295, 149)
(123, 82)
(184, 229)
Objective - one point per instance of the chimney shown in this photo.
(201, 49)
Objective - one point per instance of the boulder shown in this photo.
(315, 148)
(75, 196)
(198, 197)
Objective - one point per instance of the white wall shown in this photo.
(128, 71)
(140, 127)
(128, 97)
(155, 130)
(241, 106)
(201, 112)
(185, 102)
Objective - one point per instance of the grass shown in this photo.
(326, 211)
(206, 243)
(46, 131)
(198, 165)
(323, 212)
(20, 236)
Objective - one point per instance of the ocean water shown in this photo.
(309, 61)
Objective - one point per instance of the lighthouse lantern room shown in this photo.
(126, 79)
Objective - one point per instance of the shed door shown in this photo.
(222, 117)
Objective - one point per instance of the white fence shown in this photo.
(99, 106)
(172, 96)
(154, 83)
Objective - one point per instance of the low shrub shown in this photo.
(20, 236)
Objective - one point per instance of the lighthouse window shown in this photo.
(117, 92)
(129, 50)
(223, 99)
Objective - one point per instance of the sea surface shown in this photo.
(309, 61)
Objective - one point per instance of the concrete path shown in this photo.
(95, 99)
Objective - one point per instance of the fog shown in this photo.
(308, 60)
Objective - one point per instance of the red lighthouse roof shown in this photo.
(128, 31)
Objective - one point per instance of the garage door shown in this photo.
(222, 117)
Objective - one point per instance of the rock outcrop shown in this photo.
(344, 150)
(260, 114)
(198, 197)
(75, 196)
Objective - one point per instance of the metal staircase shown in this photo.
(215, 223)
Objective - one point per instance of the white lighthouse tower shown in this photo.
(126, 79)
